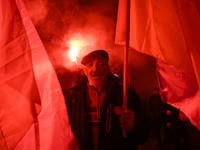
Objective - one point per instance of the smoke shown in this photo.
(93, 22)
(37, 10)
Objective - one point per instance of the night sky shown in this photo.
(92, 21)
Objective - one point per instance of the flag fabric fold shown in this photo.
(33, 112)
(179, 90)
(168, 30)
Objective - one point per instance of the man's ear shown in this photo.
(84, 69)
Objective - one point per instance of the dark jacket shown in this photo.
(157, 107)
(114, 138)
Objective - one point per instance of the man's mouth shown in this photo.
(96, 76)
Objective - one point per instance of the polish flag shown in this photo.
(33, 112)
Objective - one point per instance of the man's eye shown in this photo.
(89, 65)
(101, 64)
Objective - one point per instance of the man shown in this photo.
(178, 121)
(158, 111)
(94, 108)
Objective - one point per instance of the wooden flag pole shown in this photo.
(125, 84)
(126, 62)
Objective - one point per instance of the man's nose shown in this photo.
(95, 67)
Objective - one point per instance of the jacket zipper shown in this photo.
(108, 118)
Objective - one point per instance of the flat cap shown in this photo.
(97, 53)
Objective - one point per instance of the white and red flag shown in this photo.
(180, 91)
(168, 30)
(33, 114)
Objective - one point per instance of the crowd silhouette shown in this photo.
(169, 128)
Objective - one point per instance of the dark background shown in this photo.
(93, 21)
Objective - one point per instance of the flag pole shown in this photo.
(126, 62)
(124, 106)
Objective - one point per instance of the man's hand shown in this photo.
(127, 120)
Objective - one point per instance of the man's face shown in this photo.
(155, 91)
(96, 71)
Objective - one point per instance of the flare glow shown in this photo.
(75, 48)
(73, 53)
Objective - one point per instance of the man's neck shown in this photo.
(98, 88)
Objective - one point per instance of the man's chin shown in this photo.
(97, 83)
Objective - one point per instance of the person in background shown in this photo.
(158, 111)
(194, 136)
(177, 120)
(95, 109)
